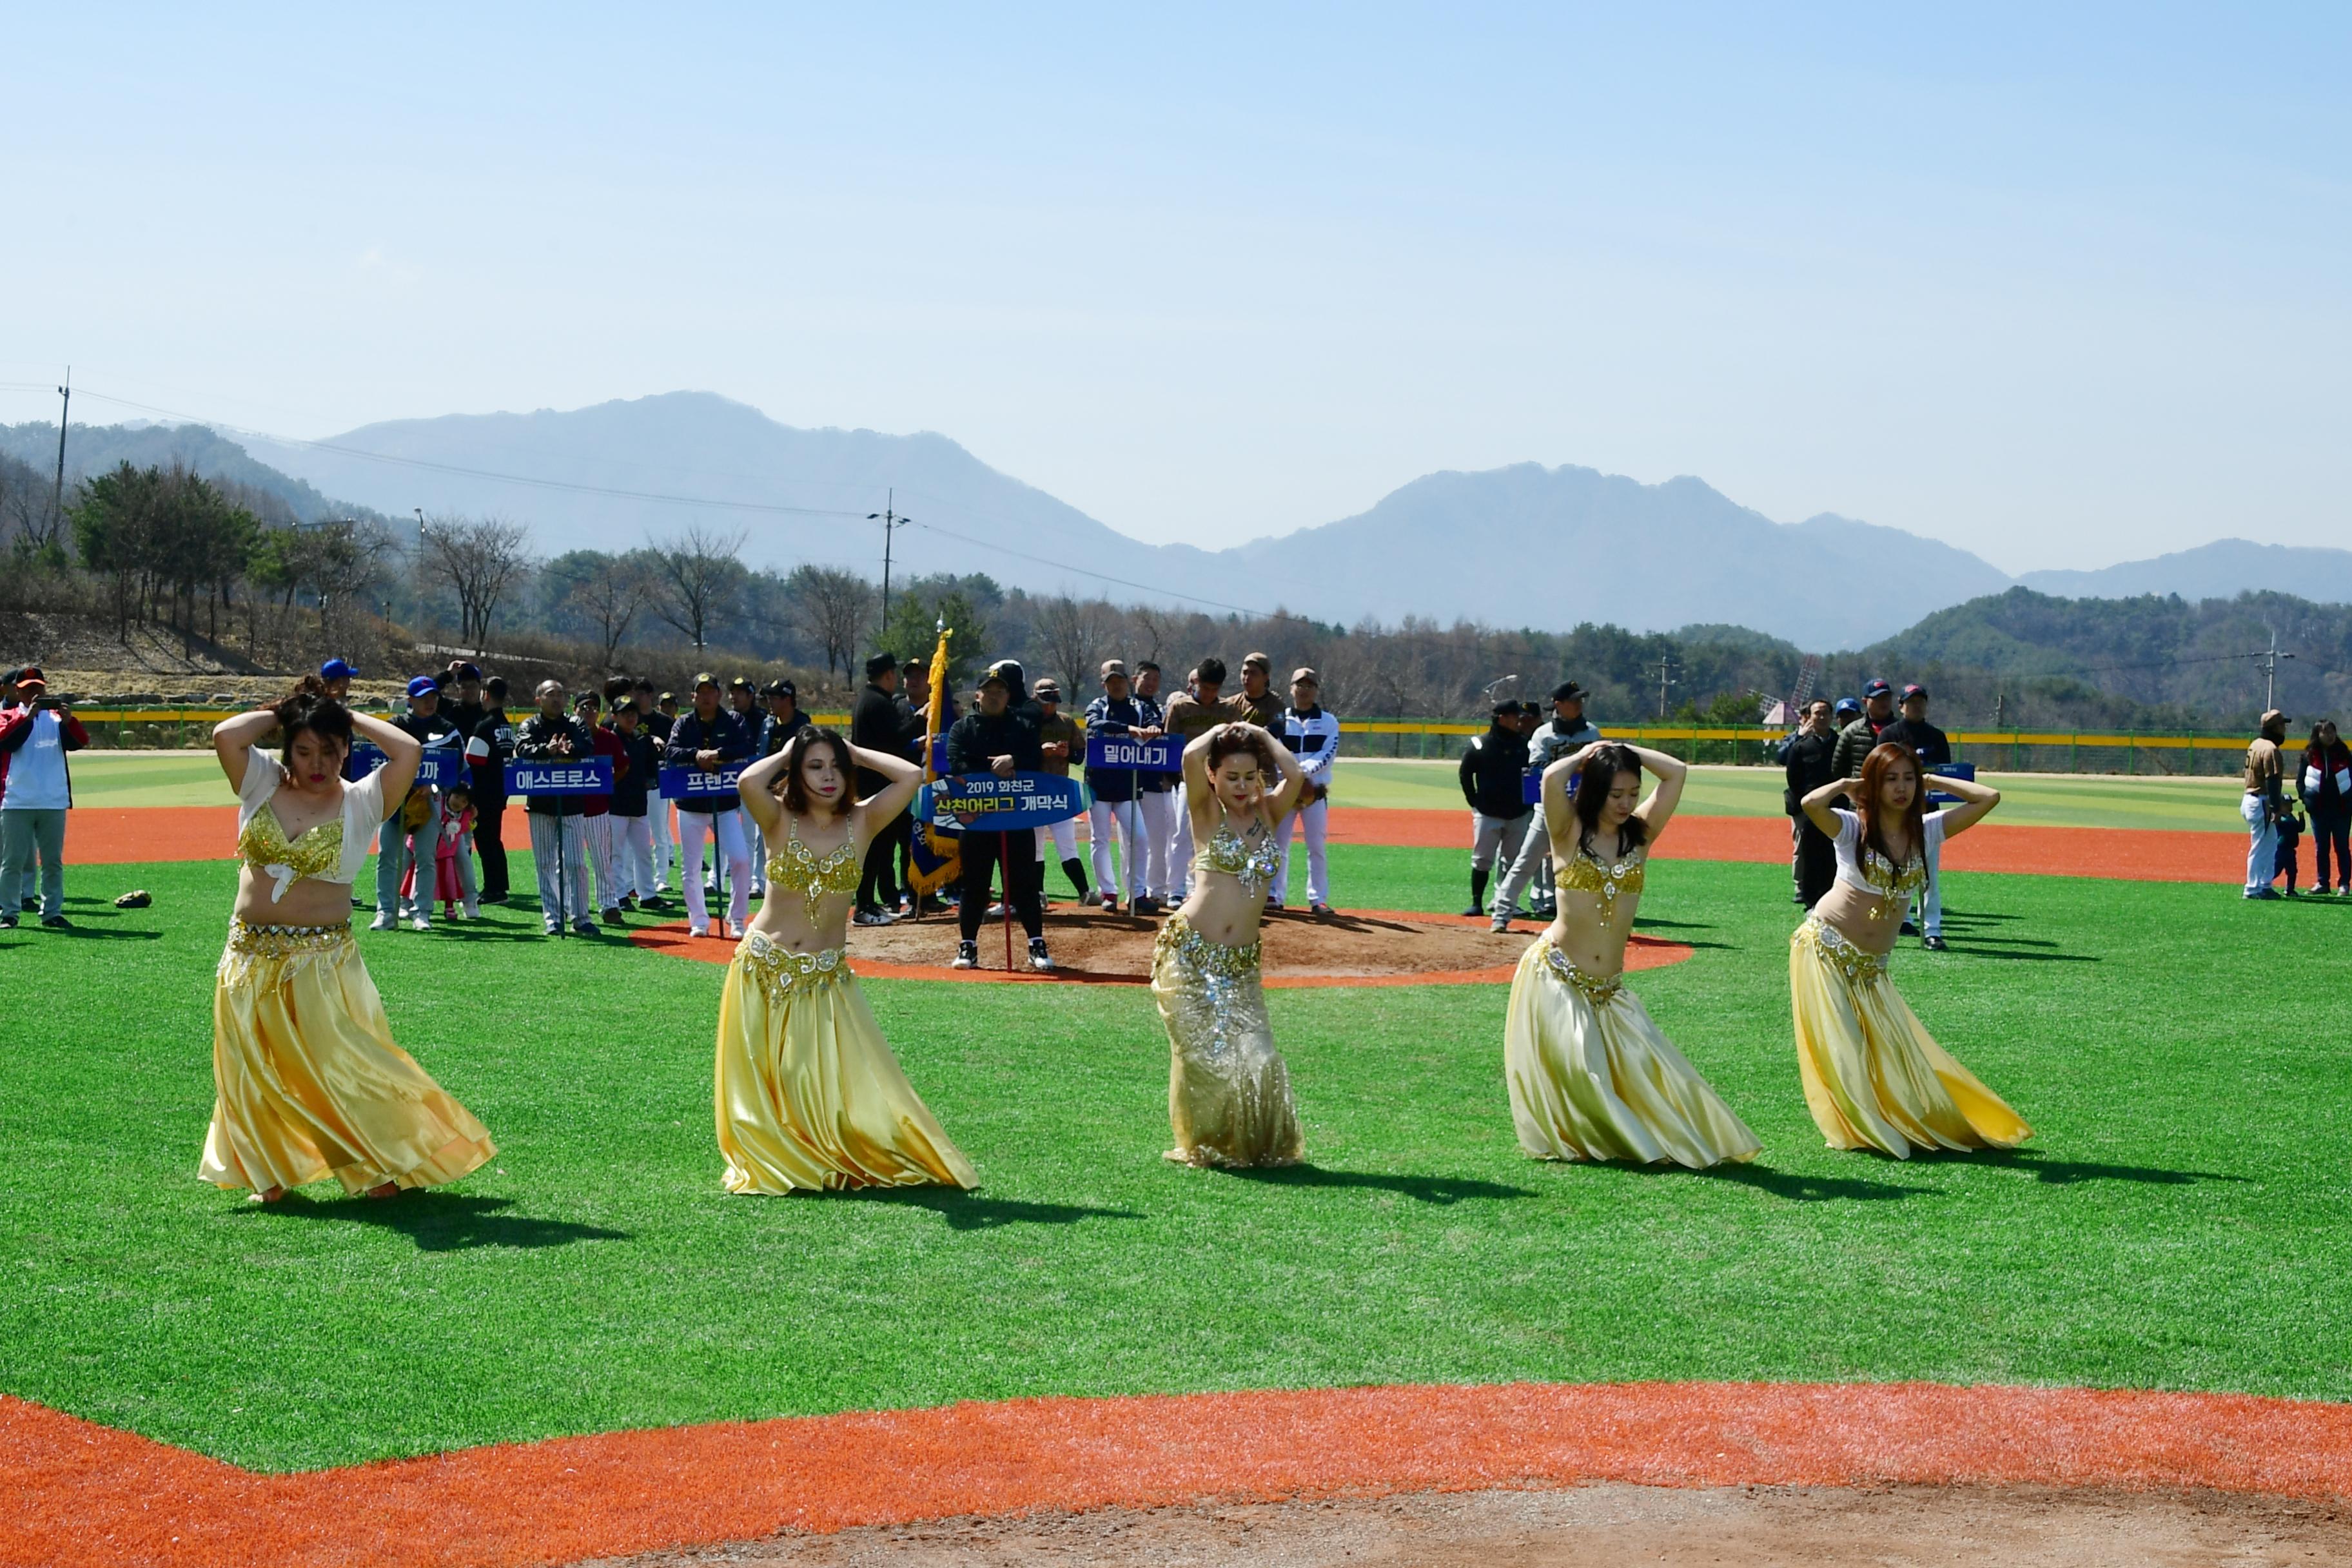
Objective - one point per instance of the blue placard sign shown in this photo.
(985, 803)
(1531, 785)
(561, 775)
(1950, 771)
(1160, 757)
(441, 767)
(699, 783)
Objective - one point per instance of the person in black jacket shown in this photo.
(1934, 749)
(1859, 739)
(708, 738)
(1001, 738)
(489, 746)
(635, 793)
(1807, 765)
(1492, 772)
(879, 723)
(656, 724)
(558, 843)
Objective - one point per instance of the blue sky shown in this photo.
(2064, 286)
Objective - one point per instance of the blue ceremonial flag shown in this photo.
(693, 784)
(985, 803)
(441, 767)
(561, 775)
(1160, 757)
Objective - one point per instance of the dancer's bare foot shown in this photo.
(384, 1190)
(269, 1196)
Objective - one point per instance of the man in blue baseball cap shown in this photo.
(339, 674)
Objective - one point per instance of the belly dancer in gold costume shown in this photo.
(1228, 1088)
(1591, 1076)
(1874, 1076)
(307, 1081)
(807, 1094)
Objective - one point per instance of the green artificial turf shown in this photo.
(2034, 800)
(2177, 1223)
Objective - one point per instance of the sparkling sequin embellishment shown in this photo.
(796, 866)
(1586, 874)
(1599, 990)
(264, 846)
(250, 946)
(1881, 873)
(1253, 860)
(1855, 963)
(784, 973)
(1221, 972)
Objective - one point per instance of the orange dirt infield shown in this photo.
(105, 836)
(93, 1496)
(1367, 947)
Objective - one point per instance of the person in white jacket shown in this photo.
(1314, 735)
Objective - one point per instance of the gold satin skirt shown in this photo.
(308, 1083)
(807, 1094)
(1874, 1076)
(1591, 1077)
(1228, 1088)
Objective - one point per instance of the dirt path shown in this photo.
(1758, 1527)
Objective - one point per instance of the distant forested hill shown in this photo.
(95, 448)
(2149, 662)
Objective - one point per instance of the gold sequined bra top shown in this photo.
(1253, 860)
(1587, 874)
(263, 845)
(797, 866)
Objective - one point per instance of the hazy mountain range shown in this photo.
(1489, 546)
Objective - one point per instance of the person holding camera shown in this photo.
(1313, 736)
(34, 738)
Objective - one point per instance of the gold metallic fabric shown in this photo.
(1585, 874)
(1228, 1088)
(264, 846)
(806, 1092)
(309, 1082)
(1256, 860)
(1874, 1076)
(797, 868)
(1591, 1077)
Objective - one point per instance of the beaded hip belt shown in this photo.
(1597, 989)
(284, 942)
(1854, 962)
(783, 973)
(1190, 946)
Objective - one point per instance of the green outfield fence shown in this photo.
(2015, 750)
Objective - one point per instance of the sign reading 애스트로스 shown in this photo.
(698, 784)
(441, 767)
(1164, 756)
(983, 802)
(569, 775)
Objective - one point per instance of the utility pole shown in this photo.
(892, 521)
(1665, 680)
(57, 502)
(2270, 662)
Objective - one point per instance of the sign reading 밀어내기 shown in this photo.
(985, 803)
(1164, 756)
(567, 775)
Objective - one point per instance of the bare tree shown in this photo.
(1075, 633)
(483, 558)
(610, 600)
(699, 568)
(831, 606)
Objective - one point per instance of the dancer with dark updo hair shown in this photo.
(1874, 1076)
(1228, 1088)
(808, 1095)
(1591, 1076)
(309, 1082)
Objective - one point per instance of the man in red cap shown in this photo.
(35, 737)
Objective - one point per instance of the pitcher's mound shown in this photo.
(1351, 947)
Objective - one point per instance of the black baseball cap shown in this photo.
(878, 663)
(1510, 710)
(1566, 691)
(780, 689)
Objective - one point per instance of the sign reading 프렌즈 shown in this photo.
(584, 775)
(698, 783)
(985, 803)
(1164, 756)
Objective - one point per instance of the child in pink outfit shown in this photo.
(456, 832)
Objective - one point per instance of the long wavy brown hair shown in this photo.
(1873, 774)
(796, 749)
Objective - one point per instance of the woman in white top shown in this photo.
(309, 1081)
(1874, 1076)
